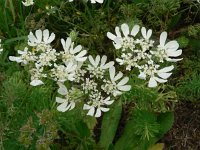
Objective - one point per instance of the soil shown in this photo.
(185, 133)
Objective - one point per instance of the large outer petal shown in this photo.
(163, 38)
(125, 29)
(135, 30)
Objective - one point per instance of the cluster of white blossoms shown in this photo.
(28, 2)
(45, 62)
(1, 49)
(138, 50)
(91, 81)
(92, 1)
(100, 88)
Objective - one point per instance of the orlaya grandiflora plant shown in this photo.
(140, 51)
(94, 84)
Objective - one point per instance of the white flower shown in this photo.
(129, 60)
(151, 70)
(36, 75)
(66, 103)
(124, 42)
(28, 2)
(89, 85)
(25, 57)
(79, 73)
(98, 65)
(41, 40)
(167, 50)
(111, 87)
(98, 1)
(63, 73)
(47, 58)
(97, 105)
(1, 49)
(72, 54)
(145, 43)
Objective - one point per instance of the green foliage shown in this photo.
(109, 125)
(159, 99)
(189, 90)
(153, 125)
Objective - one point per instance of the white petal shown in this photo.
(143, 31)
(173, 60)
(108, 102)
(149, 33)
(108, 65)
(36, 82)
(104, 109)
(123, 81)
(163, 38)
(51, 38)
(142, 76)
(62, 89)
(17, 59)
(97, 60)
(68, 43)
(135, 30)
(45, 35)
(175, 53)
(62, 107)
(124, 88)
(86, 107)
(98, 113)
(172, 45)
(91, 60)
(81, 59)
(164, 75)
(116, 93)
(76, 49)
(60, 100)
(117, 31)
(91, 111)
(160, 80)
(38, 34)
(125, 29)
(111, 36)
(152, 82)
(103, 60)
(81, 54)
(112, 72)
(100, 1)
(63, 44)
(118, 76)
(166, 69)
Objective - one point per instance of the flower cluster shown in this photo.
(94, 83)
(100, 88)
(140, 51)
(45, 62)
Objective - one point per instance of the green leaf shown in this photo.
(109, 125)
(166, 121)
(82, 129)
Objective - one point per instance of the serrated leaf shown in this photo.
(109, 125)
